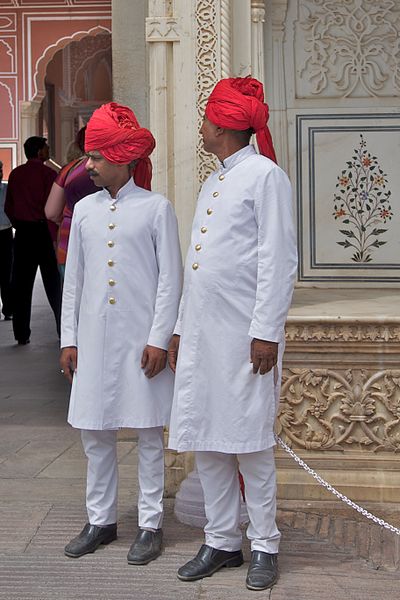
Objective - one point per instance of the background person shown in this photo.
(72, 184)
(28, 188)
(6, 253)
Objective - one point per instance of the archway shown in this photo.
(78, 79)
(60, 106)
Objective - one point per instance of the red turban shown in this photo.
(238, 103)
(114, 131)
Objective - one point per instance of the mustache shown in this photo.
(91, 172)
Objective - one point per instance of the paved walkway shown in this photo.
(42, 474)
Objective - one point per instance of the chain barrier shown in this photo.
(334, 491)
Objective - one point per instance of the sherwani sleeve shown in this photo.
(169, 260)
(277, 257)
(73, 284)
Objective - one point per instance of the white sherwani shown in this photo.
(239, 279)
(121, 292)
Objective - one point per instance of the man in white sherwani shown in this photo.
(229, 338)
(120, 303)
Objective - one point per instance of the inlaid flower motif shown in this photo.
(340, 213)
(362, 202)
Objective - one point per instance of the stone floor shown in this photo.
(42, 471)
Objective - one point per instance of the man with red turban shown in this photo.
(120, 301)
(229, 338)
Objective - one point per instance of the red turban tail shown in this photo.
(238, 103)
(114, 131)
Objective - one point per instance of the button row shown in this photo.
(110, 262)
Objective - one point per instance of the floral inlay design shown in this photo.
(324, 409)
(351, 46)
(362, 203)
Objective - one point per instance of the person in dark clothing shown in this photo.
(6, 252)
(27, 191)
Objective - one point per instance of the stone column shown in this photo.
(257, 39)
(170, 34)
(276, 85)
(67, 128)
(129, 61)
(28, 123)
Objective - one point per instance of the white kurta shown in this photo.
(239, 278)
(121, 291)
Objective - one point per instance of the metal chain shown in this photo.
(334, 491)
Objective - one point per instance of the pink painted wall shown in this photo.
(31, 33)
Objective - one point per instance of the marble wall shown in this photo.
(342, 65)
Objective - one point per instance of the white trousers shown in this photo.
(218, 474)
(102, 476)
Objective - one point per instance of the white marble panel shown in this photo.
(348, 198)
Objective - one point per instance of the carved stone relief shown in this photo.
(326, 409)
(207, 65)
(347, 49)
(319, 332)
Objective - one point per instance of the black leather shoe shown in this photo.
(207, 561)
(90, 538)
(146, 547)
(23, 342)
(263, 571)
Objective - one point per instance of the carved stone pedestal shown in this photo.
(340, 396)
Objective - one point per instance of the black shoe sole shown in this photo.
(104, 543)
(266, 587)
(229, 564)
(144, 562)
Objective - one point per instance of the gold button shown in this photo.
(110, 263)
(112, 300)
(215, 194)
(197, 247)
(111, 225)
(221, 177)
(111, 282)
(209, 211)
(110, 244)
(203, 230)
(195, 266)
(113, 207)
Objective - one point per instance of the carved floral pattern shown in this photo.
(323, 409)
(342, 332)
(352, 45)
(207, 74)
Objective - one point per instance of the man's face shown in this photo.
(101, 171)
(209, 133)
(44, 153)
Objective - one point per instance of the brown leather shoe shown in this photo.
(90, 538)
(146, 547)
(207, 562)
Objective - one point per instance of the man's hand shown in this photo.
(153, 361)
(69, 362)
(173, 350)
(263, 355)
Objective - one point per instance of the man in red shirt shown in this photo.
(27, 191)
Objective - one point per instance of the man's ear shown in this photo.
(219, 131)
